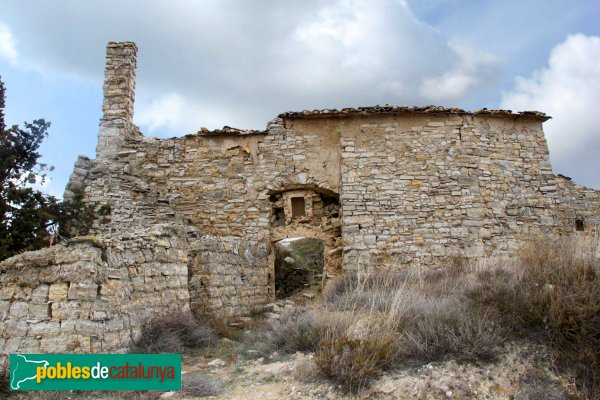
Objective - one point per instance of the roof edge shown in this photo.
(393, 109)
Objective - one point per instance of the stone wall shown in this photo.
(419, 187)
(577, 207)
(90, 294)
(228, 276)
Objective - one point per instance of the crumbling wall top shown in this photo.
(228, 131)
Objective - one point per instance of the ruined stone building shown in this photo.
(193, 219)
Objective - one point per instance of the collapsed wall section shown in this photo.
(217, 187)
(577, 208)
(50, 301)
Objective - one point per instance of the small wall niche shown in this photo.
(304, 206)
(579, 225)
(298, 207)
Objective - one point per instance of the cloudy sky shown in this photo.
(240, 63)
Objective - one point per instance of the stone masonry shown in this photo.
(194, 219)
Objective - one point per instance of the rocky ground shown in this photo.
(230, 370)
(523, 372)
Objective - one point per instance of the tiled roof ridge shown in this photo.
(228, 130)
(385, 109)
(391, 109)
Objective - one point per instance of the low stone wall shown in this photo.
(50, 300)
(90, 294)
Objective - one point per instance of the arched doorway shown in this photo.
(308, 213)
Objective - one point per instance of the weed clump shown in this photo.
(393, 318)
(299, 330)
(354, 363)
(448, 329)
(174, 333)
(199, 385)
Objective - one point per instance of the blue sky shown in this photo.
(239, 63)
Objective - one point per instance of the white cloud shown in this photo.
(233, 63)
(173, 113)
(568, 89)
(8, 49)
(473, 70)
(166, 113)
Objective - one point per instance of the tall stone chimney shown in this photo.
(116, 124)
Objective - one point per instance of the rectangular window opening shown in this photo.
(298, 208)
(579, 225)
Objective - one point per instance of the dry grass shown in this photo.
(390, 318)
(353, 363)
(554, 291)
(441, 329)
(370, 323)
(306, 371)
(199, 385)
(173, 333)
(299, 330)
(537, 385)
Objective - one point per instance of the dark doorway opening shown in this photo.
(298, 266)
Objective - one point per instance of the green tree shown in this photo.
(29, 217)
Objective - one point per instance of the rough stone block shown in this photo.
(58, 291)
(66, 310)
(14, 328)
(90, 328)
(51, 345)
(83, 291)
(29, 345)
(7, 292)
(12, 345)
(45, 328)
(18, 310)
(4, 307)
(39, 311)
(40, 294)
